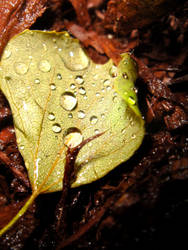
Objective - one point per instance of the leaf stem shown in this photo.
(19, 214)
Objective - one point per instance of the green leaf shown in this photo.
(59, 97)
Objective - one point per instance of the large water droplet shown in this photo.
(51, 116)
(81, 114)
(113, 71)
(93, 119)
(56, 128)
(82, 91)
(73, 137)
(7, 53)
(44, 66)
(131, 100)
(68, 101)
(21, 68)
(75, 59)
(79, 80)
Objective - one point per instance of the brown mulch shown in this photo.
(144, 202)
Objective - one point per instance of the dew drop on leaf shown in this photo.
(7, 54)
(68, 101)
(44, 66)
(72, 86)
(96, 131)
(81, 114)
(56, 128)
(37, 81)
(79, 80)
(73, 137)
(82, 91)
(51, 116)
(131, 100)
(93, 119)
(106, 82)
(21, 68)
(59, 76)
(53, 86)
(113, 71)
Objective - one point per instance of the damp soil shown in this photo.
(143, 202)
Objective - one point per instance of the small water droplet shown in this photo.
(85, 97)
(93, 84)
(108, 88)
(51, 116)
(7, 54)
(73, 137)
(79, 80)
(44, 66)
(37, 81)
(102, 99)
(72, 86)
(133, 136)
(97, 94)
(106, 82)
(125, 76)
(68, 101)
(59, 76)
(135, 90)
(113, 71)
(123, 131)
(102, 115)
(21, 68)
(115, 99)
(54, 40)
(81, 114)
(56, 128)
(82, 91)
(96, 131)
(131, 100)
(70, 115)
(53, 86)
(93, 119)
(21, 147)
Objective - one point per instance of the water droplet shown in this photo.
(102, 115)
(81, 114)
(135, 90)
(37, 81)
(85, 97)
(70, 115)
(133, 136)
(115, 99)
(21, 147)
(96, 131)
(21, 68)
(93, 119)
(76, 59)
(102, 99)
(7, 54)
(113, 71)
(59, 76)
(54, 40)
(44, 66)
(52, 86)
(51, 116)
(131, 100)
(108, 88)
(125, 76)
(68, 101)
(93, 84)
(79, 80)
(97, 94)
(72, 86)
(82, 91)
(73, 137)
(123, 130)
(56, 128)
(106, 82)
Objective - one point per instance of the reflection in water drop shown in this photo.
(81, 114)
(37, 81)
(82, 91)
(53, 86)
(56, 128)
(44, 66)
(131, 100)
(68, 101)
(79, 80)
(51, 116)
(93, 119)
(113, 71)
(73, 137)
(21, 68)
